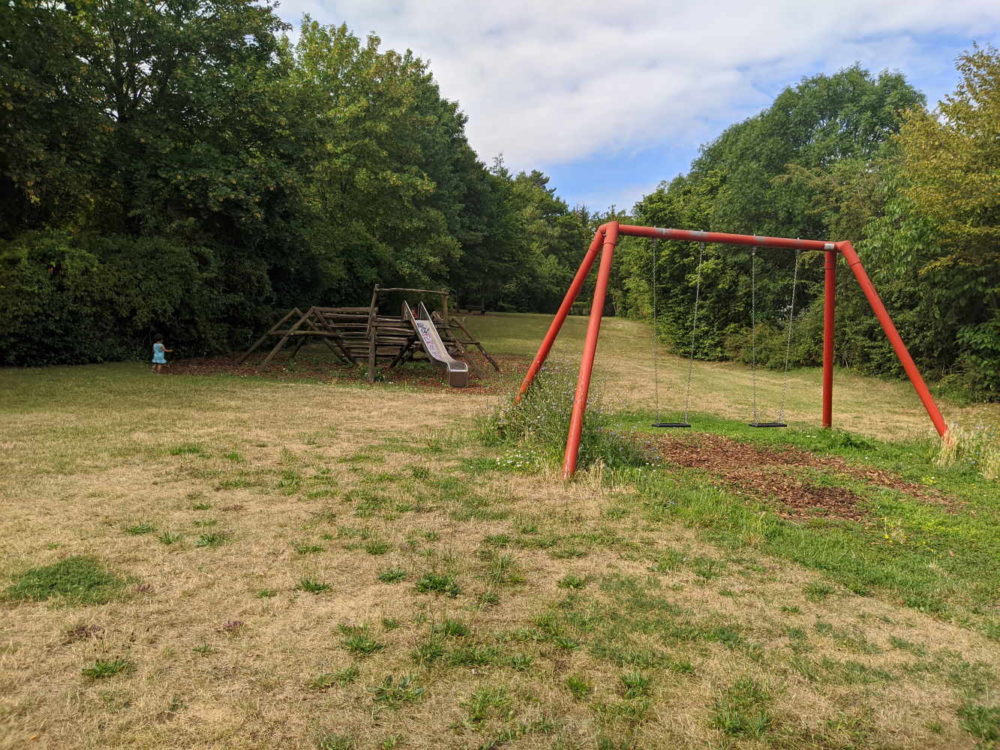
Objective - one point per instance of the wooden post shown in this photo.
(477, 344)
(372, 344)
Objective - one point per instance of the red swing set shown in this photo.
(604, 243)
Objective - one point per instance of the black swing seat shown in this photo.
(768, 424)
(670, 424)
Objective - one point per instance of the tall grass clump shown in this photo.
(977, 448)
(537, 427)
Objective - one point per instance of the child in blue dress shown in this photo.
(159, 358)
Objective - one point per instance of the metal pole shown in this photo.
(749, 240)
(829, 308)
(854, 263)
(589, 351)
(564, 308)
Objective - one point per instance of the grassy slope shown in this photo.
(625, 377)
(472, 599)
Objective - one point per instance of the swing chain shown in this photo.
(753, 331)
(694, 330)
(788, 336)
(656, 374)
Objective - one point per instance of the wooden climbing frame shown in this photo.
(366, 335)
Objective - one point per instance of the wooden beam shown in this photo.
(281, 343)
(475, 343)
(263, 338)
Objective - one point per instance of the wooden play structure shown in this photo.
(372, 336)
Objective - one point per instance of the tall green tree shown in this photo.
(798, 169)
(951, 163)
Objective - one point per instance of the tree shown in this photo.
(801, 168)
(951, 161)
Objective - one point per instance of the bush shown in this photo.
(70, 299)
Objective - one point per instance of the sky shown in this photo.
(611, 98)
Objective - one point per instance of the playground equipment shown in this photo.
(603, 244)
(365, 335)
(434, 347)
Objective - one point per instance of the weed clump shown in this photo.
(534, 430)
(329, 679)
(140, 529)
(215, 539)
(487, 702)
(101, 670)
(392, 575)
(743, 710)
(311, 586)
(977, 448)
(438, 583)
(394, 693)
(357, 641)
(579, 686)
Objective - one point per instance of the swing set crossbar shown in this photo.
(603, 245)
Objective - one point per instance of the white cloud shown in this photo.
(553, 82)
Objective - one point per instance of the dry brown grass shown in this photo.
(339, 467)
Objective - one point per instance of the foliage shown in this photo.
(743, 710)
(798, 169)
(184, 168)
(847, 156)
(952, 162)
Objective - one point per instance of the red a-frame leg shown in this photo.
(556, 325)
(829, 305)
(854, 263)
(589, 351)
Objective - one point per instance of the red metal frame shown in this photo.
(604, 243)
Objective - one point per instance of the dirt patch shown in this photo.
(769, 474)
(482, 377)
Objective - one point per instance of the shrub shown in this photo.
(71, 299)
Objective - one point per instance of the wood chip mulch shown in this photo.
(769, 474)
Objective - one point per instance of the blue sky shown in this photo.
(610, 99)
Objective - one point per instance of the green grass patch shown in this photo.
(215, 539)
(357, 640)
(311, 586)
(394, 692)
(981, 721)
(140, 529)
(941, 558)
(438, 583)
(340, 678)
(743, 710)
(488, 702)
(392, 575)
(102, 670)
(76, 580)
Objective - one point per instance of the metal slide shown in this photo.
(430, 339)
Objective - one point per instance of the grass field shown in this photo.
(220, 561)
